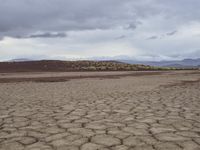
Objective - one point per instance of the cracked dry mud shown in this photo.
(129, 113)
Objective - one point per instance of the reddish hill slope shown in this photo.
(64, 66)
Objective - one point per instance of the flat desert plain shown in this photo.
(100, 111)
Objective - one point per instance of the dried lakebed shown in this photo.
(143, 112)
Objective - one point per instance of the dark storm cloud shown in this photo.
(43, 35)
(23, 17)
(120, 37)
(132, 26)
(28, 16)
(48, 35)
(152, 37)
(171, 33)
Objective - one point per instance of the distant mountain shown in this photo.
(20, 60)
(185, 63)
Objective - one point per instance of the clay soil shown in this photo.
(100, 110)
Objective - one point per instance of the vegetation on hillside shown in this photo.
(54, 65)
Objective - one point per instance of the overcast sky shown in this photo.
(71, 29)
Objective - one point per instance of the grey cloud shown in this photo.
(152, 37)
(183, 10)
(40, 35)
(171, 33)
(132, 26)
(48, 35)
(29, 16)
(175, 55)
(120, 37)
(192, 54)
(162, 36)
(186, 54)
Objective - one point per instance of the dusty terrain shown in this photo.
(105, 111)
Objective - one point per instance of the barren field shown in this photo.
(100, 111)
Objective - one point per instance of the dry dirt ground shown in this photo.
(156, 111)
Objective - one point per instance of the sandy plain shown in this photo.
(100, 111)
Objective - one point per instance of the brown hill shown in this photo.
(64, 66)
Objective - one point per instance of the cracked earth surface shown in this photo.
(130, 113)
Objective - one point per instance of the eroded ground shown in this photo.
(154, 112)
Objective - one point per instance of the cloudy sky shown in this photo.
(73, 29)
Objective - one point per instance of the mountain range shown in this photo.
(185, 63)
